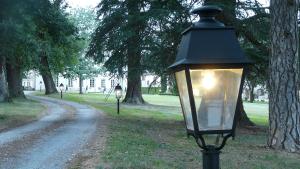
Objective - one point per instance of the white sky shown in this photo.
(94, 3)
(83, 3)
(264, 2)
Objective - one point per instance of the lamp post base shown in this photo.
(211, 158)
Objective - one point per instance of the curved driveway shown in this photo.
(52, 141)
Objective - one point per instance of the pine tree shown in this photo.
(138, 36)
(120, 41)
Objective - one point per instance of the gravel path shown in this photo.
(51, 142)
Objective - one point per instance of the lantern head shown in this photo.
(118, 91)
(209, 70)
(61, 87)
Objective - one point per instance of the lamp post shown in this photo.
(118, 92)
(209, 70)
(41, 86)
(61, 87)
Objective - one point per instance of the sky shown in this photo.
(94, 3)
(82, 3)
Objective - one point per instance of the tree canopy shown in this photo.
(35, 35)
(132, 34)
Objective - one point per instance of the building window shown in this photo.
(28, 84)
(92, 82)
(148, 82)
(143, 77)
(70, 82)
(112, 84)
(103, 83)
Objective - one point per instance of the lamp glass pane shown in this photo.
(118, 94)
(184, 98)
(215, 92)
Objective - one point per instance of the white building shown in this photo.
(103, 83)
(260, 93)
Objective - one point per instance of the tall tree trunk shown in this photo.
(251, 94)
(163, 83)
(4, 95)
(80, 84)
(14, 80)
(47, 76)
(134, 92)
(284, 108)
(229, 9)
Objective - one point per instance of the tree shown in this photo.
(169, 19)
(85, 19)
(120, 40)
(137, 36)
(4, 95)
(229, 17)
(255, 42)
(33, 35)
(257, 73)
(18, 45)
(14, 80)
(56, 35)
(284, 127)
(86, 68)
(3, 82)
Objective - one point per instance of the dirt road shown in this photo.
(51, 142)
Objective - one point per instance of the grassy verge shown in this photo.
(139, 138)
(18, 112)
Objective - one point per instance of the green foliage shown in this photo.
(85, 21)
(29, 28)
(85, 68)
(17, 33)
(255, 39)
(160, 25)
(168, 20)
(56, 34)
(143, 34)
(109, 43)
(252, 24)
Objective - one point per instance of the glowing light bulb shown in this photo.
(208, 81)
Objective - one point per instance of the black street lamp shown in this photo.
(41, 86)
(61, 87)
(209, 70)
(118, 92)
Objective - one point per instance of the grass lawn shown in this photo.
(143, 138)
(257, 112)
(19, 112)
